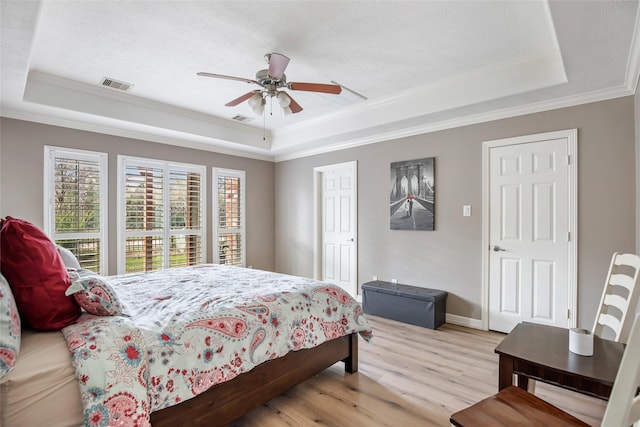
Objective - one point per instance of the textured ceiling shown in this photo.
(421, 65)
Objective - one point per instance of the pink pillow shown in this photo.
(37, 276)
(94, 293)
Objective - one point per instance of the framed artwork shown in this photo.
(413, 195)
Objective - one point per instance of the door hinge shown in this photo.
(568, 313)
(568, 236)
(568, 160)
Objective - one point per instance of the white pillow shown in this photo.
(68, 258)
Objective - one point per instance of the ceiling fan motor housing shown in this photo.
(263, 79)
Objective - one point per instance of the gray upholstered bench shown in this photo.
(404, 303)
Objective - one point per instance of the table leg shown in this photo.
(523, 382)
(505, 372)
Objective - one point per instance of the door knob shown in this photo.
(350, 240)
(497, 248)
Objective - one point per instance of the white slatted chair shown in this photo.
(619, 297)
(513, 406)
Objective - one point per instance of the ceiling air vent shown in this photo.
(115, 84)
(241, 118)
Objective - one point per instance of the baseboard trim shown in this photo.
(454, 319)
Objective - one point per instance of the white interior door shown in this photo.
(530, 219)
(338, 224)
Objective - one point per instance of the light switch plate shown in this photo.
(466, 210)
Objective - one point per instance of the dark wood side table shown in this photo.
(542, 353)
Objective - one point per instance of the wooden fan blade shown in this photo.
(315, 87)
(242, 98)
(222, 76)
(277, 64)
(293, 105)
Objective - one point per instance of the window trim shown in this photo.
(216, 173)
(166, 166)
(52, 152)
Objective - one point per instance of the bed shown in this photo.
(267, 332)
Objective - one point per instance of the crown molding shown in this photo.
(104, 103)
(206, 145)
(633, 62)
(101, 92)
(535, 107)
(524, 74)
(115, 130)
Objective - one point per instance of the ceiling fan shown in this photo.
(271, 80)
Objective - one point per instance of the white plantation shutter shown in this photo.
(144, 216)
(230, 222)
(161, 207)
(144, 197)
(75, 204)
(185, 195)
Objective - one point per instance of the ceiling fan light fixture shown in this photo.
(287, 111)
(284, 100)
(256, 100)
(257, 103)
(258, 109)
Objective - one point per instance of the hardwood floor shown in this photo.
(408, 376)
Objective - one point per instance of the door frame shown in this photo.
(318, 217)
(572, 139)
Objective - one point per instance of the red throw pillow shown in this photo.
(32, 265)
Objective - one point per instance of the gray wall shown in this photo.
(21, 180)
(449, 258)
(280, 197)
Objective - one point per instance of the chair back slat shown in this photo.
(612, 322)
(631, 260)
(623, 280)
(615, 300)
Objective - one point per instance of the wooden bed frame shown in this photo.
(225, 402)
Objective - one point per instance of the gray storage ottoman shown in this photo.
(409, 304)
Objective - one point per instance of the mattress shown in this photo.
(41, 394)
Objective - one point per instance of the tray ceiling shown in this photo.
(422, 65)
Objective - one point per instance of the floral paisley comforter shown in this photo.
(187, 329)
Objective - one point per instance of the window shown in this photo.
(75, 204)
(230, 221)
(161, 221)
